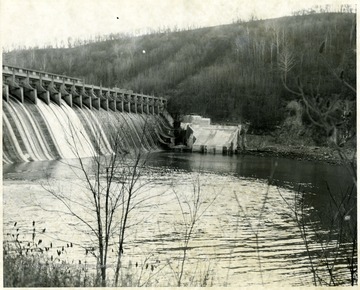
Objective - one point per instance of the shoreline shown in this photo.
(308, 153)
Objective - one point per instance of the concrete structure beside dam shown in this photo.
(201, 136)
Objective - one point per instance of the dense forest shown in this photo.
(230, 73)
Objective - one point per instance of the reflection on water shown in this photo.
(285, 171)
(304, 176)
(312, 175)
(224, 242)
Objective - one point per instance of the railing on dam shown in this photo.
(33, 85)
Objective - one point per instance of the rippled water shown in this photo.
(230, 246)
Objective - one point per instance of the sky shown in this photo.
(38, 22)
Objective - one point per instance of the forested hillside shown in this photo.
(230, 73)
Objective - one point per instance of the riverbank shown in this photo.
(311, 153)
(267, 146)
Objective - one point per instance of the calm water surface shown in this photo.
(224, 244)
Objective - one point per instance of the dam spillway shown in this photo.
(48, 116)
(199, 135)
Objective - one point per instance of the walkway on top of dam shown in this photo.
(33, 85)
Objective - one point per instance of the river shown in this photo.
(246, 236)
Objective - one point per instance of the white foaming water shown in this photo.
(46, 132)
(67, 130)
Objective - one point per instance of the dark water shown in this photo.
(308, 176)
(319, 179)
(285, 171)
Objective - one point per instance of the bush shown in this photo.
(28, 263)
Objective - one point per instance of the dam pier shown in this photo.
(34, 85)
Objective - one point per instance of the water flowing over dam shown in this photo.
(48, 116)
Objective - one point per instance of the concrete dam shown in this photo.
(48, 116)
(199, 135)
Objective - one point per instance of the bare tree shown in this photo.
(334, 115)
(113, 191)
(329, 251)
(286, 62)
(192, 208)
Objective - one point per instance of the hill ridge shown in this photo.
(229, 73)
